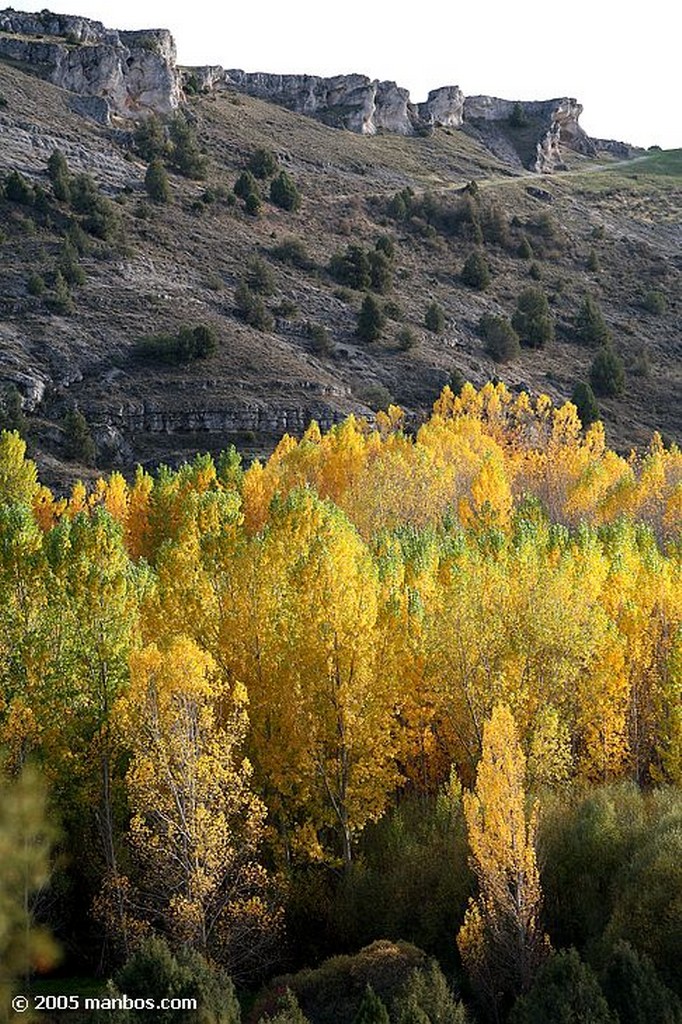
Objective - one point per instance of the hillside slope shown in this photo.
(610, 230)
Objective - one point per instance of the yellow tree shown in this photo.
(196, 824)
(501, 941)
(323, 708)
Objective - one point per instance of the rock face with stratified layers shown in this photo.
(134, 73)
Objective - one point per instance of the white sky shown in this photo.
(622, 65)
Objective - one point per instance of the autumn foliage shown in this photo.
(280, 650)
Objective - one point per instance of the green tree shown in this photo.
(352, 268)
(288, 1011)
(284, 193)
(156, 182)
(18, 190)
(476, 272)
(151, 140)
(518, 117)
(185, 153)
(157, 973)
(61, 300)
(381, 271)
(259, 276)
(607, 373)
(11, 409)
(370, 320)
(532, 320)
(566, 991)
(585, 402)
(525, 250)
(79, 442)
(590, 326)
(263, 163)
(654, 301)
(36, 285)
(25, 840)
(371, 1009)
(634, 990)
(246, 185)
(434, 320)
(59, 175)
(501, 340)
(593, 262)
(251, 308)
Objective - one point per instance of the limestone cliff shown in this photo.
(134, 73)
(131, 74)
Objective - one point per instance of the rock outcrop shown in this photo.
(550, 124)
(354, 102)
(133, 72)
(362, 105)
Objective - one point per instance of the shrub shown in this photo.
(263, 163)
(11, 409)
(320, 342)
(635, 991)
(532, 320)
(284, 193)
(495, 225)
(3, 101)
(607, 375)
(476, 272)
(593, 262)
(245, 185)
(154, 971)
(79, 442)
(525, 249)
(381, 271)
(590, 326)
(150, 139)
(371, 1010)
(69, 267)
(286, 308)
(18, 190)
(36, 285)
(376, 396)
(427, 999)
(156, 182)
(101, 217)
(259, 276)
(518, 117)
(286, 1011)
(334, 992)
(251, 308)
(59, 175)
(188, 344)
(61, 300)
(293, 252)
(407, 339)
(565, 990)
(535, 271)
(352, 268)
(386, 245)
(654, 301)
(585, 402)
(457, 381)
(185, 153)
(253, 204)
(434, 320)
(370, 320)
(501, 340)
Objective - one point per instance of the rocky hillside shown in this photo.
(355, 198)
